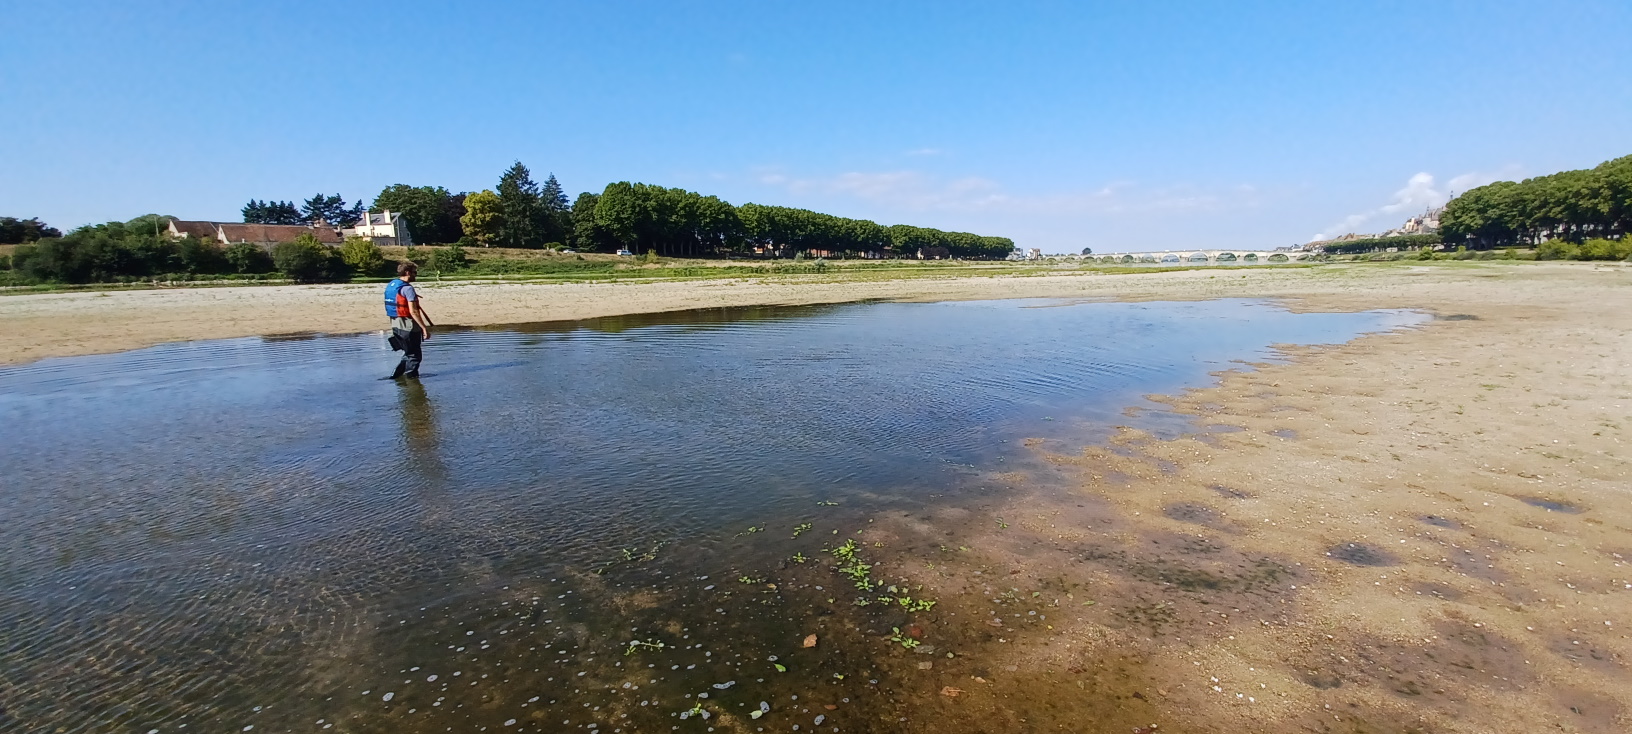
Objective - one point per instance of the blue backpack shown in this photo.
(391, 298)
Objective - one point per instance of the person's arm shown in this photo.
(419, 316)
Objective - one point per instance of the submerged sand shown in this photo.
(1423, 530)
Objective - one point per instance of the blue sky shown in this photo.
(1064, 125)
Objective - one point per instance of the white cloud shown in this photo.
(926, 151)
(1419, 194)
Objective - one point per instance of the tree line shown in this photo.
(14, 231)
(522, 213)
(141, 249)
(1569, 207)
(330, 209)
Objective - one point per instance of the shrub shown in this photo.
(201, 256)
(1557, 250)
(306, 260)
(446, 259)
(1602, 249)
(246, 258)
(362, 256)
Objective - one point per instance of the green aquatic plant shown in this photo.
(749, 579)
(799, 558)
(800, 528)
(696, 710)
(916, 605)
(637, 644)
(628, 555)
(904, 640)
(750, 531)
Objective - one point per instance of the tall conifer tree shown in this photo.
(522, 208)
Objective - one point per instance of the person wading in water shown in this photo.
(409, 324)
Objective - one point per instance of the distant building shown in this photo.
(385, 228)
(179, 229)
(268, 235)
(1424, 223)
(265, 236)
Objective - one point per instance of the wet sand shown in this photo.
(1427, 530)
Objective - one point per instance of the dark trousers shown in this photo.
(411, 341)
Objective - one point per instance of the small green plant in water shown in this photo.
(749, 580)
(750, 531)
(799, 558)
(696, 710)
(637, 644)
(916, 605)
(800, 528)
(904, 640)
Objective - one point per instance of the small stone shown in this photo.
(810, 641)
(926, 665)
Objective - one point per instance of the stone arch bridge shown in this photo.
(1176, 257)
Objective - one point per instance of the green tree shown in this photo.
(483, 221)
(586, 235)
(431, 212)
(522, 207)
(272, 212)
(200, 257)
(304, 259)
(243, 257)
(362, 256)
(331, 209)
(557, 215)
(14, 231)
(1570, 205)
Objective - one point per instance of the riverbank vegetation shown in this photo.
(140, 251)
(520, 213)
(1571, 207)
(650, 221)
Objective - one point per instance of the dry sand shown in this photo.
(1362, 542)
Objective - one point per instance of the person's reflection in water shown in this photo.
(419, 427)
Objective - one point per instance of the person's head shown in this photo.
(407, 270)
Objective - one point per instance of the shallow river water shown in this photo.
(262, 535)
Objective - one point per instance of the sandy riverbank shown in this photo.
(1421, 531)
(1360, 542)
